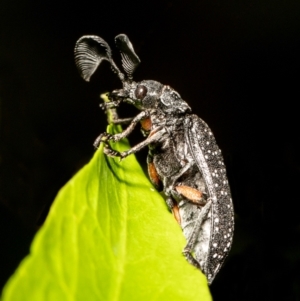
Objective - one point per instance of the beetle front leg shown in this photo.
(121, 121)
(110, 105)
(154, 137)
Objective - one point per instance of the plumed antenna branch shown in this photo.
(89, 52)
(130, 60)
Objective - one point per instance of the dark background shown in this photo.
(235, 62)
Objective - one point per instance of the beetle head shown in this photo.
(150, 94)
(143, 95)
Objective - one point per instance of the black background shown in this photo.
(237, 65)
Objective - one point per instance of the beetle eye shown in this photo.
(140, 92)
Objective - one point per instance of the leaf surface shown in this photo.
(109, 236)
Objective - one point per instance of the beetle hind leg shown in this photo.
(189, 257)
(191, 243)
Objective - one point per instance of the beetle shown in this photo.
(183, 156)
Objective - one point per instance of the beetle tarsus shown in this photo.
(104, 137)
(113, 153)
(189, 257)
(110, 152)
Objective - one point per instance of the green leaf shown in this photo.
(108, 236)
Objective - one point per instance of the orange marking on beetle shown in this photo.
(191, 194)
(153, 174)
(146, 124)
(176, 214)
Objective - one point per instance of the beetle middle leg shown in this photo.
(154, 136)
(191, 194)
(169, 181)
(177, 191)
(104, 137)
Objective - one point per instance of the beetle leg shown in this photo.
(121, 120)
(131, 126)
(110, 105)
(110, 108)
(189, 248)
(169, 181)
(153, 137)
(104, 137)
(121, 135)
(112, 153)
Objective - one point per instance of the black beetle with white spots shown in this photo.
(184, 160)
